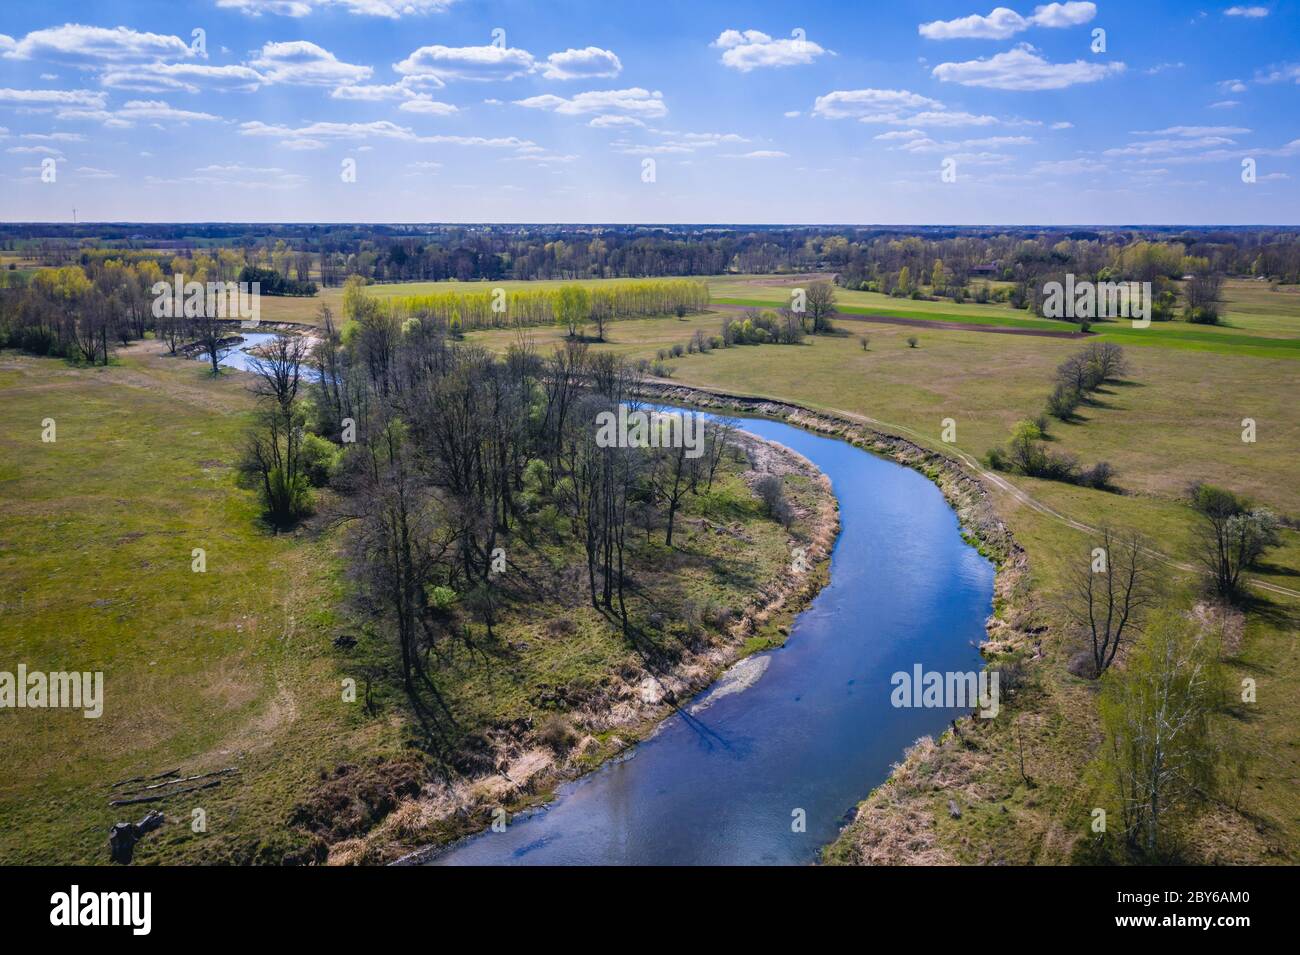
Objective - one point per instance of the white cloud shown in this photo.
(898, 134)
(791, 114)
(1023, 69)
(874, 104)
(613, 121)
(586, 63)
(1252, 13)
(1224, 104)
(1194, 131)
(90, 172)
(467, 62)
(135, 110)
(634, 100)
(428, 107)
(392, 9)
(758, 154)
(52, 98)
(34, 151)
(1003, 22)
(379, 129)
(77, 41)
(1277, 74)
(190, 77)
(302, 63)
(747, 50)
(952, 118)
(52, 137)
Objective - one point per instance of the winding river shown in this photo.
(763, 766)
(804, 731)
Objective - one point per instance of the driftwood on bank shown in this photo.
(148, 794)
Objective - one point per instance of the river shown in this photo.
(803, 732)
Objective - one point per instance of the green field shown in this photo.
(238, 667)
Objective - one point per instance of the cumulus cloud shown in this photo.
(747, 50)
(614, 121)
(467, 62)
(302, 63)
(588, 62)
(428, 107)
(51, 98)
(1251, 13)
(77, 41)
(1004, 22)
(1023, 69)
(137, 110)
(635, 101)
(871, 104)
(189, 77)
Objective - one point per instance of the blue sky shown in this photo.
(506, 110)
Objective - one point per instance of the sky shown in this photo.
(672, 111)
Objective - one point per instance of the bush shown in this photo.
(677, 351)
(997, 459)
(1099, 476)
(912, 341)
(319, 459)
(558, 733)
(1063, 401)
(442, 599)
(864, 341)
(1201, 316)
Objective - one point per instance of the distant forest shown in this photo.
(862, 256)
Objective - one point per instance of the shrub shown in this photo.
(864, 341)
(1063, 401)
(319, 459)
(442, 599)
(1099, 475)
(997, 459)
(677, 351)
(912, 341)
(557, 732)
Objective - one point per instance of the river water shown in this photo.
(801, 732)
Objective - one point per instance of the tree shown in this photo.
(273, 453)
(1158, 752)
(572, 308)
(1111, 590)
(1231, 537)
(820, 302)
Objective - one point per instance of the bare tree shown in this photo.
(1111, 590)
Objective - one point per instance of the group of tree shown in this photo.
(572, 306)
(1164, 754)
(1080, 375)
(448, 457)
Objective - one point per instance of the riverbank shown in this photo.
(633, 699)
(897, 823)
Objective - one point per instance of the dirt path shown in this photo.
(926, 323)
